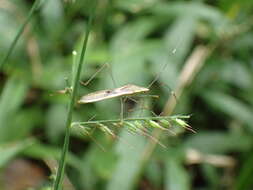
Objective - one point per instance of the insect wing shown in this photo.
(107, 94)
(96, 96)
(130, 89)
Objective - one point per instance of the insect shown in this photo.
(126, 90)
(123, 92)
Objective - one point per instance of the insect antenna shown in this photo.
(112, 77)
(163, 68)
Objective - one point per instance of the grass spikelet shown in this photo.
(106, 130)
(183, 124)
(131, 127)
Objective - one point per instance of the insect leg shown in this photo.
(141, 107)
(121, 110)
(171, 91)
(95, 74)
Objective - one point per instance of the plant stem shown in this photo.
(61, 169)
(134, 119)
(20, 31)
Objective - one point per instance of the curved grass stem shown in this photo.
(35, 6)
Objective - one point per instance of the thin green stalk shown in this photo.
(61, 169)
(20, 31)
(134, 119)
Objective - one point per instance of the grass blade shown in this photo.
(20, 31)
(11, 99)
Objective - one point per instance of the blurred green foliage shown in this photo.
(137, 37)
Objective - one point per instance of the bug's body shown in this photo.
(126, 90)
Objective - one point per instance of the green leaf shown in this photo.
(196, 9)
(245, 174)
(87, 172)
(234, 68)
(230, 106)
(176, 175)
(103, 163)
(129, 161)
(218, 142)
(42, 151)
(153, 173)
(55, 122)
(212, 175)
(52, 12)
(8, 29)
(11, 99)
(10, 150)
(23, 123)
(97, 164)
(129, 51)
(135, 5)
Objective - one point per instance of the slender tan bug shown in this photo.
(126, 90)
(123, 91)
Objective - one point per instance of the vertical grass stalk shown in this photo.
(76, 77)
(35, 6)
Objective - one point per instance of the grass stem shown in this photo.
(174, 117)
(35, 6)
(76, 78)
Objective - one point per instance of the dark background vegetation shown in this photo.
(137, 37)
